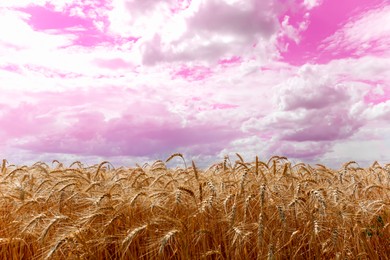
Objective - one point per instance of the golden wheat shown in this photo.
(246, 210)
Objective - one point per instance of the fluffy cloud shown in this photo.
(379, 111)
(317, 108)
(308, 91)
(141, 79)
(68, 123)
(216, 30)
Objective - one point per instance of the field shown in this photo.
(232, 210)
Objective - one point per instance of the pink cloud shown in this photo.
(379, 88)
(22, 120)
(45, 18)
(193, 73)
(11, 67)
(124, 79)
(66, 123)
(91, 135)
(87, 22)
(378, 94)
(231, 61)
(315, 112)
(49, 72)
(303, 151)
(321, 25)
(328, 121)
(330, 126)
(366, 33)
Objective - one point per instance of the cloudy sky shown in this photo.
(137, 80)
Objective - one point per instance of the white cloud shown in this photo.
(138, 18)
(312, 3)
(247, 147)
(378, 111)
(213, 30)
(302, 111)
(21, 3)
(364, 152)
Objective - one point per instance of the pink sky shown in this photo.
(137, 80)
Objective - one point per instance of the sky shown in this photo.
(133, 81)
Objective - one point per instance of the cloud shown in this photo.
(224, 18)
(87, 22)
(298, 150)
(321, 31)
(379, 111)
(313, 97)
(141, 79)
(26, 37)
(368, 32)
(21, 3)
(125, 136)
(247, 147)
(194, 73)
(310, 92)
(312, 3)
(216, 30)
(142, 7)
(113, 63)
(313, 111)
(138, 18)
(69, 123)
(365, 152)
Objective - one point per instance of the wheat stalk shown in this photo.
(131, 235)
(178, 155)
(165, 240)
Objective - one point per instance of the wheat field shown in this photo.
(232, 210)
